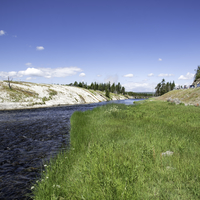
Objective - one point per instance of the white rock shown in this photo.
(66, 95)
(167, 153)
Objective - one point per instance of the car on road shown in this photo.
(198, 85)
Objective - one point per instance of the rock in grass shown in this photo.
(167, 153)
(170, 168)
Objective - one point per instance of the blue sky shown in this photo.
(134, 42)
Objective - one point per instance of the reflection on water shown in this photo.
(28, 138)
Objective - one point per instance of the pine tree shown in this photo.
(123, 90)
(197, 75)
(107, 93)
(158, 89)
(92, 86)
(113, 88)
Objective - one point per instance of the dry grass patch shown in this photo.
(191, 96)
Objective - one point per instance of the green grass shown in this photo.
(116, 153)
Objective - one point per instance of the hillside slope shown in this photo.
(187, 96)
(31, 95)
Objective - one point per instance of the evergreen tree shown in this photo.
(100, 87)
(158, 88)
(197, 75)
(109, 86)
(163, 87)
(113, 88)
(167, 89)
(92, 86)
(85, 85)
(75, 83)
(95, 85)
(123, 90)
(118, 88)
(80, 84)
(173, 85)
(107, 93)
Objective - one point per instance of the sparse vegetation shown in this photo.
(187, 96)
(52, 92)
(82, 98)
(17, 94)
(44, 99)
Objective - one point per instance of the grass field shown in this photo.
(116, 153)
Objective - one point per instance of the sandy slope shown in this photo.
(187, 96)
(32, 95)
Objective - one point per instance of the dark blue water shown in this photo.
(30, 137)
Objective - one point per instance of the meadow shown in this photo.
(120, 152)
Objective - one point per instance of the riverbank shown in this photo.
(25, 95)
(148, 151)
(186, 96)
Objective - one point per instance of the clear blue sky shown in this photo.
(134, 42)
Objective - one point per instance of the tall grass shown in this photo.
(116, 153)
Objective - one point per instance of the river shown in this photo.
(28, 138)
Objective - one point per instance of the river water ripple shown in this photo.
(28, 138)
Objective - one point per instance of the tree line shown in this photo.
(163, 87)
(107, 87)
(140, 94)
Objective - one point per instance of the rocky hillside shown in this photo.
(187, 96)
(30, 95)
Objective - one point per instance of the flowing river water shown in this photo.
(30, 137)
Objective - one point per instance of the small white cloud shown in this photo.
(39, 48)
(82, 74)
(163, 75)
(159, 59)
(151, 74)
(128, 75)
(15, 36)
(99, 75)
(28, 64)
(28, 78)
(188, 76)
(2, 32)
(31, 72)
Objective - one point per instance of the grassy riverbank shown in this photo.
(116, 153)
(187, 96)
